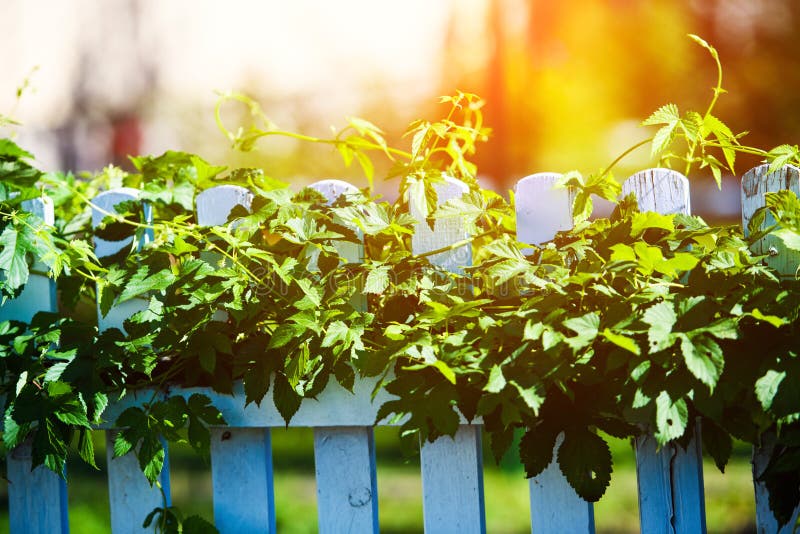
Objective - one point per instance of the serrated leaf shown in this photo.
(536, 449)
(143, 281)
(767, 387)
(15, 243)
(377, 280)
(286, 399)
(704, 359)
(661, 317)
(671, 418)
(496, 381)
(585, 461)
(666, 114)
(533, 396)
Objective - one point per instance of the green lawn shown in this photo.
(729, 497)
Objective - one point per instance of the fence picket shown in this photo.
(452, 468)
(241, 458)
(131, 497)
(37, 500)
(344, 457)
(755, 184)
(671, 497)
(543, 210)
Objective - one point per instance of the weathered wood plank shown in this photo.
(671, 496)
(131, 497)
(755, 184)
(670, 487)
(543, 210)
(344, 456)
(105, 203)
(37, 500)
(347, 487)
(446, 231)
(555, 507)
(241, 458)
(452, 483)
(452, 468)
(242, 480)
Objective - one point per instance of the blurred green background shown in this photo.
(566, 83)
(729, 497)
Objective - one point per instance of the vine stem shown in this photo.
(625, 154)
(455, 245)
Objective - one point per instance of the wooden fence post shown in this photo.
(671, 497)
(131, 497)
(344, 457)
(755, 184)
(452, 468)
(241, 457)
(37, 500)
(542, 211)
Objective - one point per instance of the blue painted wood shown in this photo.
(344, 456)
(542, 211)
(37, 500)
(242, 481)
(452, 483)
(671, 498)
(755, 184)
(347, 487)
(130, 495)
(452, 468)
(555, 507)
(765, 520)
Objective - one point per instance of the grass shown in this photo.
(729, 497)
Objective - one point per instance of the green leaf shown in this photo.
(622, 341)
(283, 334)
(666, 114)
(533, 396)
(194, 524)
(645, 220)
(286, 399)
(767, 387)
(774, 320)
(496, 381)
(16, 242)
(586, 327)
(717, 442)
(337, 332)
(446, 371)
(585, 460)
(661, 317)
(536, 449)
(671, 418)
(703, 358)
(143, 281)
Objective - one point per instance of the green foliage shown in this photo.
(622, 325)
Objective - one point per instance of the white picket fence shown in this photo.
(670, 481)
